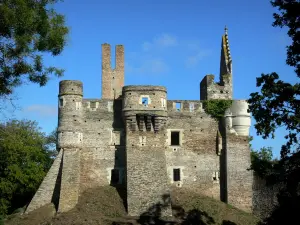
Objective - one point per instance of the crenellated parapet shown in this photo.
(145, 107)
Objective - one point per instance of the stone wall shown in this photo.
(103, 142)
(197, 156)
(239, 179)
(147, 181)
(264, 197)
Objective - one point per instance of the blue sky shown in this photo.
(167, 42)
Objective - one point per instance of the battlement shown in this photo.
(70, 87)
(185, 106)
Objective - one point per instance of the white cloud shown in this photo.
(42, 110)
(161, 41)
(194, 60)
(154, 55)
(149, 66)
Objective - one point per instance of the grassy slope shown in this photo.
(105, 206)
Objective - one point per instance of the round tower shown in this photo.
(238, 118)
(70, 114)
(145, 105)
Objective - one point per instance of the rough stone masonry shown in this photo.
(135, 137)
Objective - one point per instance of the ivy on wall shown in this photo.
(216, 107)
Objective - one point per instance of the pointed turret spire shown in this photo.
(226, 61)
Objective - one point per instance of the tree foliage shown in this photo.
(262, 162)
(278, 105)
(28, 29)
(25, 157)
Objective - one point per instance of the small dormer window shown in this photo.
(145, 101)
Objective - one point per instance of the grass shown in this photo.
(104, 206)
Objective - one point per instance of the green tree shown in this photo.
(25, 158)
(28, 30)
(262, 162)
(278, 105)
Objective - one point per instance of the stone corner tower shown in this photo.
(61, 184)
(112, 78)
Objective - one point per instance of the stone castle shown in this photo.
(134, 136)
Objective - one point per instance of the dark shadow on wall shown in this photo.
(287, 210)
(119, 166)
(121, 189)
(223, 162)
(120, 157)
(117, 109)
(57, 187)
(180, 217)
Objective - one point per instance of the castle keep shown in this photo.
(134, 136)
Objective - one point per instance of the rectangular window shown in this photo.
(176, 174)
(115, 176)
(178, 106)
(192, 107)
(145, 101)
(175, 138)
